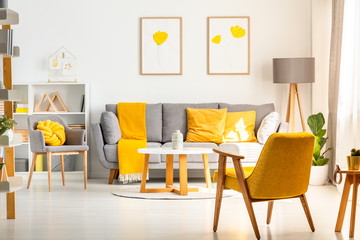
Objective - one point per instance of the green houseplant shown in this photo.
(6, 124)
(319, 169)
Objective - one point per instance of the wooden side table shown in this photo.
(169, 152)
(352, 178)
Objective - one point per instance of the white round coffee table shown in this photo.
(169, 152)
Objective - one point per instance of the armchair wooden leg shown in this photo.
(85, 169)
(245, 192)
(219, 190)
(111, 175)
(307, 211)
(269, 212)
(62, 169)
(32, 169)
(48, 156)
(116, 174)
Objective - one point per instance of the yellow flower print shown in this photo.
(216, 39)
(237, 32)
(160, 37)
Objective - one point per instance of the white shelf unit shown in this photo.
(71, 94)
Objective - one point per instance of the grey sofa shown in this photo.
(163, 119)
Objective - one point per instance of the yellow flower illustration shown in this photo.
(237, 32)
(160, 37)
(55, 63)
(216, 39)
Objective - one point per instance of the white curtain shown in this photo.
(348, 117)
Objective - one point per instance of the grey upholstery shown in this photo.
(261, 110)
(111, 152)
(153, 116)
(111, 128)
(163, 119)
(175, 118)
(74, 137)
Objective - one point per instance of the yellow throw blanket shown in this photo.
(133, 136)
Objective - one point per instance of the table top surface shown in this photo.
(168, 150)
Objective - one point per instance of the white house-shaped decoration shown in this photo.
(62, 66)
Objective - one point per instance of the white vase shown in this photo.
(177, 140)
(319, 175)
(10, 134)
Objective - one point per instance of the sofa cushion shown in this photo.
(175, 118)
(250, 150)
(206, 125)
(153, 119)
(110, 127)
(111, 152)
(195, 158)
(268, 126)
(261, 110)
(240, 126)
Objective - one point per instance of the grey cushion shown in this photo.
(110, 127)
(66, 148)
(195, 158)
(261, 110)
(111, 152)
(153, 119)
(175, 118)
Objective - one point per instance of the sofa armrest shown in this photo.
(284, 127)
(100, 143)
(37, 141)
(75, 136)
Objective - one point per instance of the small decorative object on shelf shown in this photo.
(353, 161)
(62, 66)
(52, 100)
(177, 140)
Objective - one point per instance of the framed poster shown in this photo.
(161, 46)
(229, 45)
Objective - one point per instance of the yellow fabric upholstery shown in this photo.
(206, 125)
(133, 136)
(231, 180)
(283, 168)
(54, 133)
(239, 127)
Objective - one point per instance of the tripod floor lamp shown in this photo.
(294, 71)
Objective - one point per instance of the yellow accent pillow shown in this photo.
(206, 125)
(54, 133)
(240, 127)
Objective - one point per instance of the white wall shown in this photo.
(104, 35)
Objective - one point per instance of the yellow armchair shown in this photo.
(282, 171)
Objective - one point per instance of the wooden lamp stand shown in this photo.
(290, 113)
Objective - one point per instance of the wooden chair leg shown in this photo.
(269, 212)
(219, 190)
(32, 169)
(245, 192)
(353, 205)
(343, 203)
(62, 169)
(111, 175)
(307, 211)
(85, 169)
(116, 174)
(48, 155)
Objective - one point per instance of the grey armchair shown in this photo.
(74, 144)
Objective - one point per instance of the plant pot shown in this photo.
(353, 162)
(319, 175)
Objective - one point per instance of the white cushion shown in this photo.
(250, 150)
(269, 125)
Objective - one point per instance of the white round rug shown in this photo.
(134, 192)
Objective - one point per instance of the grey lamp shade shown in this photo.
(294, 70)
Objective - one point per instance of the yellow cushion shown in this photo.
(206, 125)
(231, 180)
(239, 127)
(54, 133)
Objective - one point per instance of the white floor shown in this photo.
(73, 213)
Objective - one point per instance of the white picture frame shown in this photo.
(228, 45)
(161, 46)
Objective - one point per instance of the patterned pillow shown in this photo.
(269, 125)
